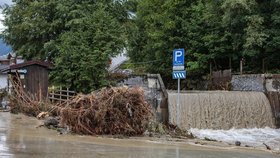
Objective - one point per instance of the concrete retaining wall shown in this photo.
(255, 82)
(272, 83)
(155, 93)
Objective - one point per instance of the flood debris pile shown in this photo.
(22, 102)
(115, 110)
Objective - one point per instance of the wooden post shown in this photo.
(52, 93)
(60, 93)
(230, 63)
(263, 65)
(67, 95)
(211, 69)
(241, 66)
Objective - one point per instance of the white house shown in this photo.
(5, 62)
(3, 77)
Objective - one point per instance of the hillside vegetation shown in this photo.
(79, 37)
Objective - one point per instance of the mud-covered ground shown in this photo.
(21, 137)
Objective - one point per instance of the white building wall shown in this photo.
(3, 81)
(118, 60)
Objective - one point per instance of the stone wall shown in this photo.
(273, 83)
(254, 82)
(154, 90)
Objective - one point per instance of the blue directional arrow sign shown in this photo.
(179, 74)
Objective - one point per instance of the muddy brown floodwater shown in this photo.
(19, 138)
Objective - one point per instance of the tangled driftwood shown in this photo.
(21, 101)
(117, 110)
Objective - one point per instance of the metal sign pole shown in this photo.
(179, 72)
(178, 103)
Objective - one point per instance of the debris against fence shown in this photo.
(61, 95)
(21, 101)
(116, 110)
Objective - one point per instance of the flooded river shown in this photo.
(19, 138)
(255, 137)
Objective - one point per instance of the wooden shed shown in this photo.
(34, 76)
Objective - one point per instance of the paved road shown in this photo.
(19, 138)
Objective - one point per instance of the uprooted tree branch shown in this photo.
(21, 101)
(115, 110)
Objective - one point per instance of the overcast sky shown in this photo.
(1, 18)
(5, 2)
(2, 2)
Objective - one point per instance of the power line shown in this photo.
(144, 62)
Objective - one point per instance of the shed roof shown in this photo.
(2, 67)
(25, 64)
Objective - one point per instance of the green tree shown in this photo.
(206, 36)
(216, 32)
(271, 55)
(79, 37)
(157, 32)
(85, 50)
(31, 25)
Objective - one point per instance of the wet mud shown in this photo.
(20, 137)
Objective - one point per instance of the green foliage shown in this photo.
(79, 37)
(216, 32)
(85, 51)
(30, 26)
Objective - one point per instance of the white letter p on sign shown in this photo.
(178, 54)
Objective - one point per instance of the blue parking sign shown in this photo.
(178, 57)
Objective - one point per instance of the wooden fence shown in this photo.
(61, 95)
